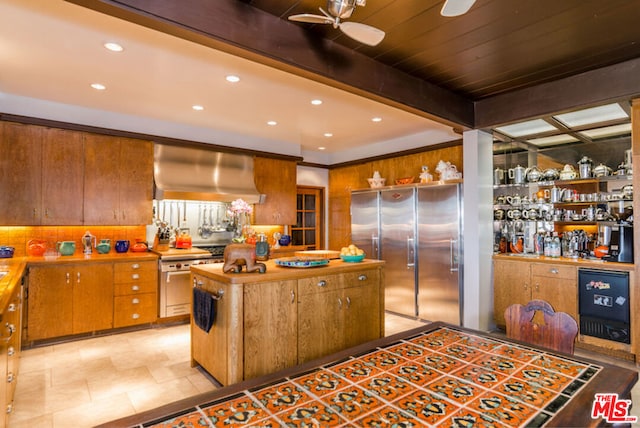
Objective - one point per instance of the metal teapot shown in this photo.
(602, 170)
(517, 174)
(533, 174)
(551, 174)
(585, 165)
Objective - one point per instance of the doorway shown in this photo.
(309, 226)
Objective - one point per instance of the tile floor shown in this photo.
(92, 381)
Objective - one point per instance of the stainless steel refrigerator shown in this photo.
(417, 230)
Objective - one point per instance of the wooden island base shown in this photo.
(285, 316)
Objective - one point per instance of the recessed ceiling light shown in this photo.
(316, 102)
(98, 86)
(197, 107)
(553, 140)
(609, 131)
(232, 78)
(113, 47)
(321, 148)
(376, 119)
(272, 123)
(328, 134)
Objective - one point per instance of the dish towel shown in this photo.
(204, 309)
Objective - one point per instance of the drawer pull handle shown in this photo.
(135, 316)
(553, 271)
(10, 377)
(11, 307)
(322, 283)
(293, 296)
(135, 301)
(339, 303)
(11, 351)
(68, 276)
(362, 277)
(135, 276)
(11, 328)
(348, 302)
(135, 287)
(135, 266)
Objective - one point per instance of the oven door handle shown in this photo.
(180, 272)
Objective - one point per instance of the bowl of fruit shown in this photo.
(351, 254)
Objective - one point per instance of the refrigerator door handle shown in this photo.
(375, 244)
(452, 258)
(411, 260)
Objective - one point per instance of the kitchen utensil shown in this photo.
(66, 248)
(568, 173)
(513, 200)
(517, 174)
(284, 240)
(551, 174)
(122, 246)
(602, 170)
(36, 247)
(104, 246)
(139, 246)
(88, 242)
(585, 165)
(533, 174)
(352, 258)
(6, 252)
(627, 191)
(498, 176)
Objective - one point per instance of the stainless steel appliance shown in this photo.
(621, 243)
(604, 304)
(175, 286)
(417, 230)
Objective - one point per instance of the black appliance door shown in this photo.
(604, 294)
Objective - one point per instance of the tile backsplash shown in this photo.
(18, 236)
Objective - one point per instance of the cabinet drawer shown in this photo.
(131, 267)
(138, 309)
(554, 271)
(366, 278)
(135, 287)
(133, 275)
(319, 284)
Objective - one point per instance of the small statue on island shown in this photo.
(238, 255)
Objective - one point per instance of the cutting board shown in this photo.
(325, 254)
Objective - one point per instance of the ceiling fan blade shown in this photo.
(362, 33)
(311, 18)
(456, 7)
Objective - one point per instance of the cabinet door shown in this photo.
(320, 324)
(510, 285)
(50, 302)
(20, 174)
(92, 297)
(136, 182)
(101, 179)
(557, 285)
(277, 180)
(270, 327)
(360, 315)
(62, 177)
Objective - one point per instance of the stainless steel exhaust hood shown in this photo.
(198, 174)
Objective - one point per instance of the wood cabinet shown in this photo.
(521, 281)
(276, 179)
(135, 292)
(271, 327)
(335, 313)
(69, 299)
(118, 181)
(10, 344)
(41, 173)
(288, 317)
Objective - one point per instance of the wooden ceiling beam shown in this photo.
(237, 28)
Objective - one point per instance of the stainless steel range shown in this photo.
(175, 286)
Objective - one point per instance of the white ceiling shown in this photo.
(51, 51)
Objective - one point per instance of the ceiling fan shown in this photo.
(456, 7)
(342, 9)
(339, 10)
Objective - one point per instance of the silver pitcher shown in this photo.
(517, 174)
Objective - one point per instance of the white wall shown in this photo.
(317, 177)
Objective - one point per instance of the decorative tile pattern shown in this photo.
(446, 378)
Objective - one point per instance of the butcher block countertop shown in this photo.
(278, 273)
(583, 263)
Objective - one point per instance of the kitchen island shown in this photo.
(285, 316)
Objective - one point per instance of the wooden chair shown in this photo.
(553, 330)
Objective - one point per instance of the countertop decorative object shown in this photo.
(404, 180)
(301, 262)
